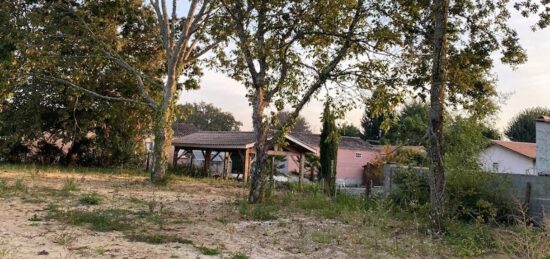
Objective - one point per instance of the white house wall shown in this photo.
(508, 161)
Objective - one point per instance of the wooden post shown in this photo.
(301, 179)
(206, 164)
(192, 158)
(246, 165)
(175, 158)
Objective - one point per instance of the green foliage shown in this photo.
(410, 126)
(206, 116)
(470, 239)
(329, 150)
(349, 130)
(471, 193)
(89, 199)
(299, 125)
(522, 127)
(476, 31)
(414, 189)
(101, 132)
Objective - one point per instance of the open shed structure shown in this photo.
(214, 143)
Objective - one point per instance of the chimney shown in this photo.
(542, 125)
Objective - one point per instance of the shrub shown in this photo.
(469, 239)
(413, 188)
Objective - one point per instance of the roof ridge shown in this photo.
(511, 141)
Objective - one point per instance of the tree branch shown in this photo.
(89, 92)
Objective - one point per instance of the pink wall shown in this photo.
(349, 168)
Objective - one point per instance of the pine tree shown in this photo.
(329, 149)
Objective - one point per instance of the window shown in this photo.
(495, 167)
(358, 155)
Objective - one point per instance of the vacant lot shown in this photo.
(66, 215)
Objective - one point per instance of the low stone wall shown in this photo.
(533, 191)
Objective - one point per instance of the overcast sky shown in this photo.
(526, 86)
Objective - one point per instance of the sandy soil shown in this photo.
(204, 213)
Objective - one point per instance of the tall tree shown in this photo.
(462, 37)
(522, 126)
(286, 51)
(300, 124)
(94, 131)
(329, 150)
(182, 39)
(285, 62)
(440, 9)
(206, 116)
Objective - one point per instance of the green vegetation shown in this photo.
(101, 220)
(522, 126)
(208, 251)
(69, 186)
(239, 256)
(89, 199)
(156, 238)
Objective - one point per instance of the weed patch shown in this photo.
(157, 238)
(89, 199)
(98, 220)
(69, 186)
(208, 251)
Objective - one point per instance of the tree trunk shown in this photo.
(440, 9)
(260, 132)
(163, 127)
(163, 140)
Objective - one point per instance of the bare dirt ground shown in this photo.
(202, 220)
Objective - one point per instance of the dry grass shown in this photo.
(190, 218)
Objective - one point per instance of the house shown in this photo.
(353, 154)
(509, 157)
(520, 157)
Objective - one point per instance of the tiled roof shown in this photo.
(527, 149)
(182, 129)
(228, 139)
(352, 143)
(544, 119)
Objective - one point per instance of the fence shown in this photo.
(531, 190)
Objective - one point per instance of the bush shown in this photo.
(413, 188)
(470, 239)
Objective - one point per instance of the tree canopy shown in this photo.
(206, 116)
(36, 108)
(522, 126)
(349, 130)
(300, 125)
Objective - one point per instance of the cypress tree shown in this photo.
(329, 150)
